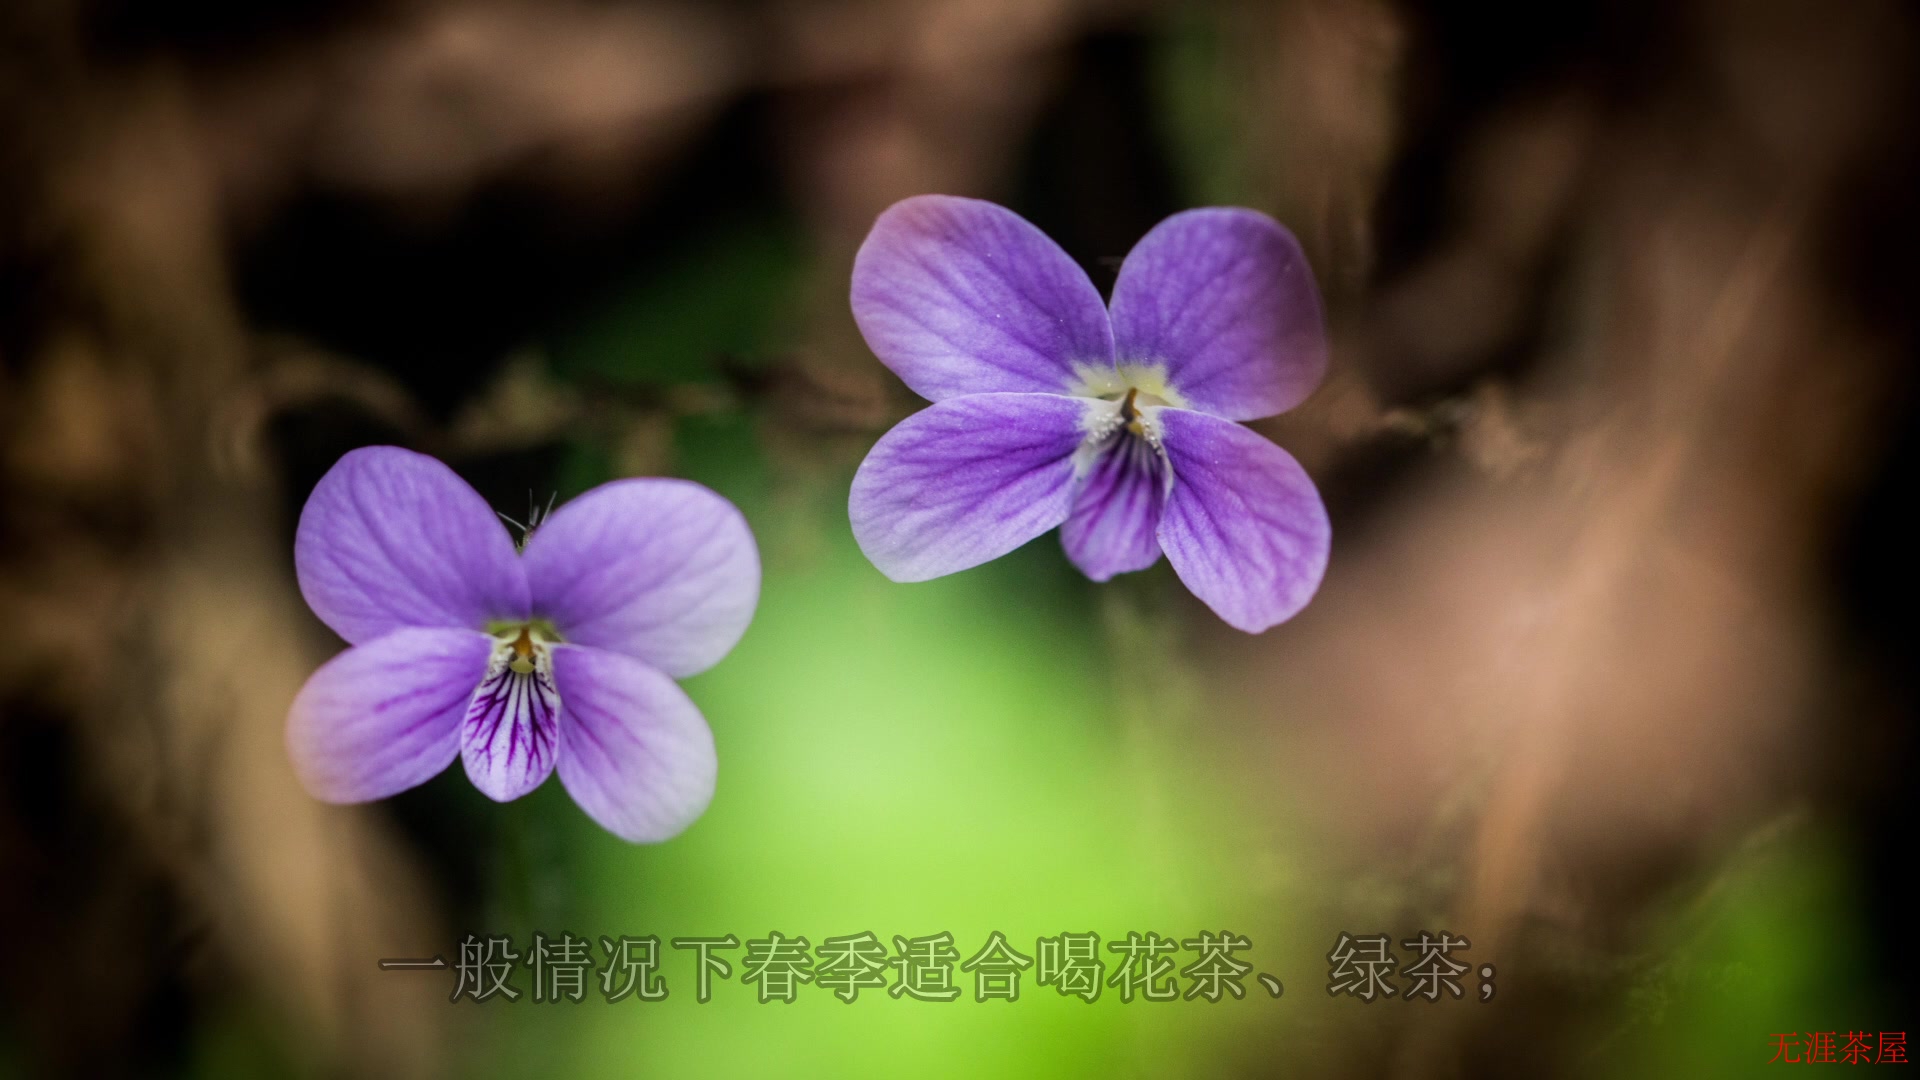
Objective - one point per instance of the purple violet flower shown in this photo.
(1115, 422)
(558, 656)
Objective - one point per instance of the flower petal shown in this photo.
(965, 481)
(664, 571)
(1244, 527)
(508, 735)
(634, 751)
(960, 296)
(390, 538)
(1116, 508)
(1222, 301)
(384, 716)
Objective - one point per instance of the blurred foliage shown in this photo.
(1203, 109)
(1772, 945)
(686, 316)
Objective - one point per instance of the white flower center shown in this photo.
(1148, 381)
(1128, 413)
(1128, 431)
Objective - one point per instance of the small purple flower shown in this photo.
(560, 655)
(1116, 423)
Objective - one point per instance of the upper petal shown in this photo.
(960, 296)
(390, 538)
(384, 716)
(1116, 507)
(1244, 527)
(965, 481)
(634, 751)
(1223, 302)
(662, 570)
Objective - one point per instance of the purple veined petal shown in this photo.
(390, 538)
(384, 716)
(510, 733)
(1222, 301)
(965, 481)
(665, 571)
(635, 752)
(1244, 527)
(960, 296)
(1116, 507)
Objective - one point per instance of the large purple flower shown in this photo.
(558, 656)
(1116, 423)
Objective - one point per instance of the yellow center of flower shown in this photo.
(522, 662)
(524, 642)
(1131, 405)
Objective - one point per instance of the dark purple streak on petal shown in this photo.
(1116, 508)
(508, 735)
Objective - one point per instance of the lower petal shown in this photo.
(965, 481)
(635, 752)
(384, 716)
(508, 737)
(1244, 527)
(1116, 508)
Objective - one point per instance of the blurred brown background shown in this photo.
(1623, 304)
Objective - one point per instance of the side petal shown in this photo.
(960, 296)
(664, 571)
(1244, 527)
(390, 538)
(634, 751)
(1222, 303)
(965, 481)
(1116, 508)
(384, 716)
(510, 733)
